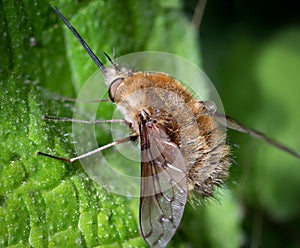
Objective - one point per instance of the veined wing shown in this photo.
(163, 185)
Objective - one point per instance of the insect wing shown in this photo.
(163, 187)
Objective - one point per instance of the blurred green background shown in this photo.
(251, 52)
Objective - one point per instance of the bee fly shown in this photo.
(183, 148)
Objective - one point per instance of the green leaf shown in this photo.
(44, 202)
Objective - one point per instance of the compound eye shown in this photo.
(113, 88)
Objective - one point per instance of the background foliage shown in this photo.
(250, 51)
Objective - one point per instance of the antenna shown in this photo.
(113, 62)
(82, 42)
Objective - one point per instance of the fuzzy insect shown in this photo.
(183, 147)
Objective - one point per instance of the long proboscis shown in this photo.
(234, 125)
(82, 42)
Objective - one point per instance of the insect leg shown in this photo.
(71, 160)
(234, 125)
(70, 99)
(66, 119)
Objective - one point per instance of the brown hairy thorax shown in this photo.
(186, 121)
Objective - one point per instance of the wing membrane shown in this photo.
(163, 186)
